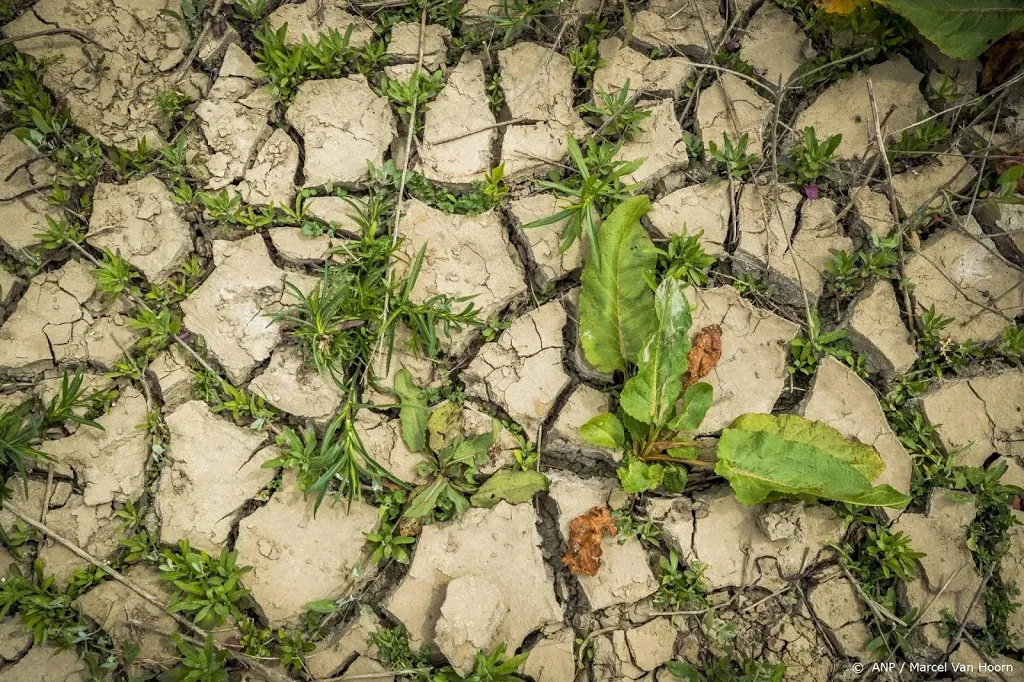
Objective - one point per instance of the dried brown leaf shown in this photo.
(1001, 60)
(704, 354)
(585, 533)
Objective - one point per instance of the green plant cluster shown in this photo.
(589, 192)
(806, 350)
(849, 273)
(626, 327)
(394, 651)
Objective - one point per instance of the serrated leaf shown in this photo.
(639, 477)
(650, 395)
(513, 487)
(605, 431)
(764, 456)
(962, 29)
(696, 402)
(616, 305)
(413, 414)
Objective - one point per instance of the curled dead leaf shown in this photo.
(585, 533)
(704, 354)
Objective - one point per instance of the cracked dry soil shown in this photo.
(777, 590)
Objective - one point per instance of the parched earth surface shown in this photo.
(492, 575)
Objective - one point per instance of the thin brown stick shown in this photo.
(51, 32)
(24, 193)
(198, 44)
(499, 124)
(375, 676)
(908, 303)
(137, 589)
(46, 494)
(974, 600)
(881, 613)
(410, 135)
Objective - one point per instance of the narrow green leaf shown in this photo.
(424, 501)
(650, 396)
(513, 487)
(413, 413)
(605, 431)
(616, 305)
(322, 606)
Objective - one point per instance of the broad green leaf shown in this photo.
(683, 671)
(696, 402)
(413, 413)
(424, 501)
(616, 305)
(605, 431)
(793, 427)
(650, 396)
(444, 424)
(513, 487)
(764, 456)
(638, 477)
(675, 479)
(475, 451)
(963, 29)
(686, 452)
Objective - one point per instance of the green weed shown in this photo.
(591, 191)
(338, 456)
(513, 18)
(159, 329)
(190, 13)
(172, 104)
(70, 403)
(684, 259)
(586, 60)
(810, 159)
(495, 94)
(394, 651)
(849, 273)
(732, 159)
(806, 350)
(918, 140)
(387, 546)
(114, 275)
(412, 95)
(288, 66)
(207, 589)
(1011, 343)
(680, 587)
(630, 528)
(616, 113)
(195, 664)
(251, 11)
